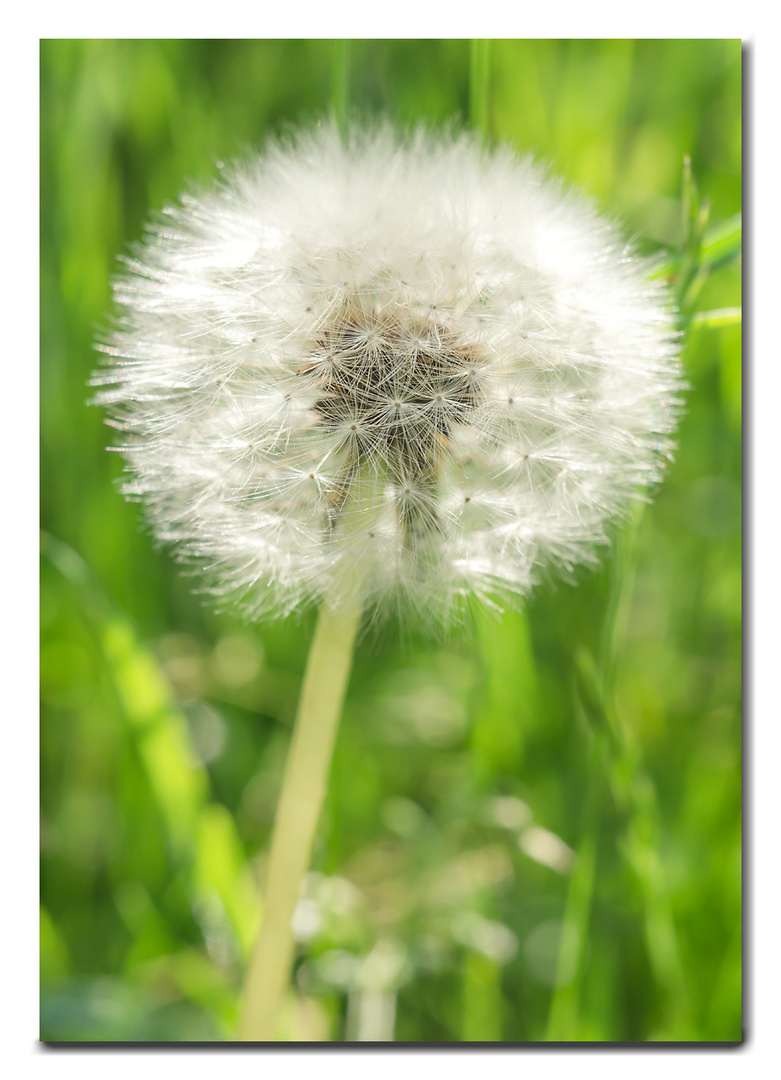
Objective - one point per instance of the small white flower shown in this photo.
(411, 353)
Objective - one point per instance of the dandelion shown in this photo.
(381, 373)
(414, 356)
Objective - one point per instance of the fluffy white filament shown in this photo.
(409, 353)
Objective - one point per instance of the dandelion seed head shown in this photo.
(404, 352)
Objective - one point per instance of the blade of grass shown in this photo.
(718, 317)
(634, 792)
(160, 732)
(340, 83)
(158, 728)
(615, 758)
(479, 86)
(563, 1018)
(720, 245)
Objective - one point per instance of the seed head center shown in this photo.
(400, 385)
(394, 389)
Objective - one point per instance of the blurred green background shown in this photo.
(533, 829)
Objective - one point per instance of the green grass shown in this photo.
(604, 720)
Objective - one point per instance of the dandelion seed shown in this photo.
(410, 321)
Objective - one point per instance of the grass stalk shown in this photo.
(340, 83)
(594, 687)
(563, 1016)
(616, 760)
(480, 86)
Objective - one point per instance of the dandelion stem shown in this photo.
(479, 85)
(303, 791)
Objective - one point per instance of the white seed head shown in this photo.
(408, 353)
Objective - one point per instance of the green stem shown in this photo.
(720, 317)
(616, 758)
(479, 86)
(303, 791)
(340, 85)
(595, 679)
(720, 245)
(563, 1018)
